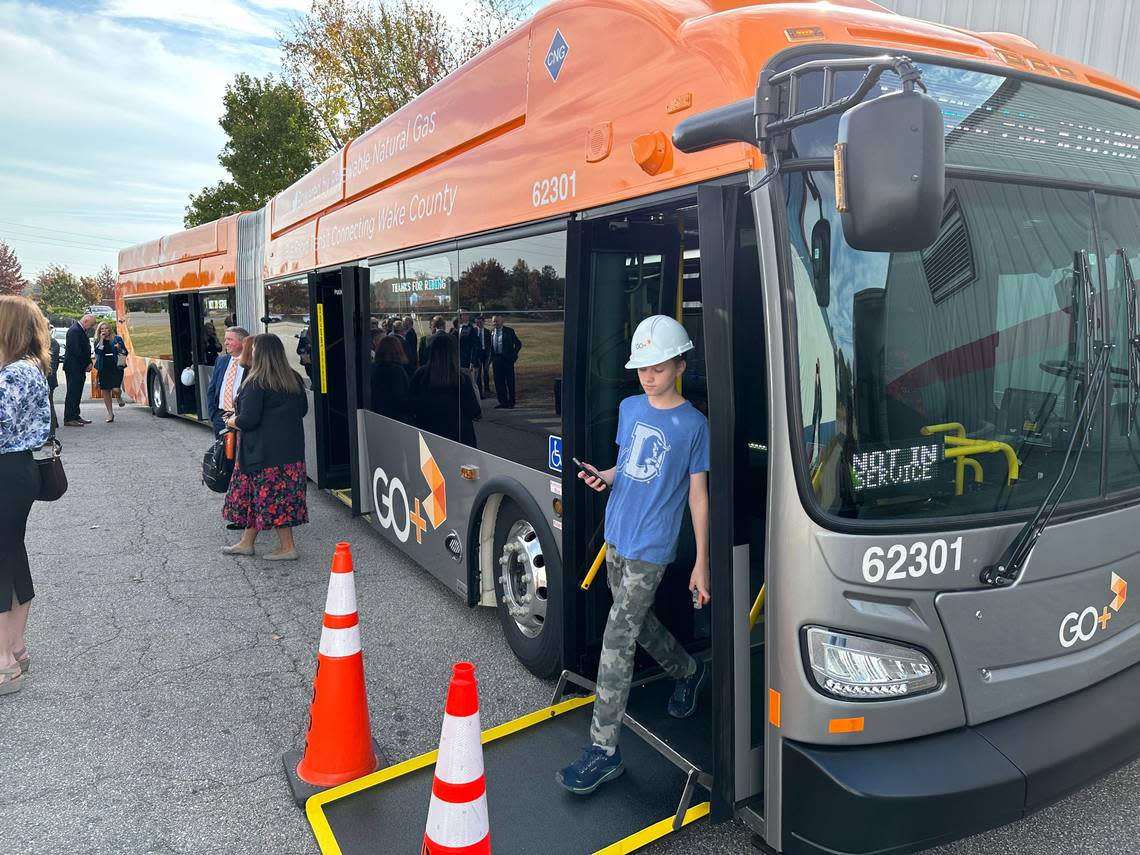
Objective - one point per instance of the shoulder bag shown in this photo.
(53, 480)
(120, 355)
(218, 463)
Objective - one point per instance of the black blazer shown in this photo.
(272, 433)
(389, 383)
(78, 356)
(511, 345)
(445, 411)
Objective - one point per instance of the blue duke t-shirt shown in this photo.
(657, 452)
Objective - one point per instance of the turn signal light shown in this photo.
(469, 473)
(853, 667)
(803, 34)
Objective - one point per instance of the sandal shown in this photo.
(11, 680)
(23, 659)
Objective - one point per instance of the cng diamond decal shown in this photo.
(435, 505)
(556, 55)
(1120, 588)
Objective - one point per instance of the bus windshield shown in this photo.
(947, 382)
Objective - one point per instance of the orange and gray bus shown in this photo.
(905, 254)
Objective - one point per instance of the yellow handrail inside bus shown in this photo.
(594, 568)
(956, 428)
(960, 449)
(757, 607)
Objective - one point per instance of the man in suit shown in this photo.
(76, 364)
(505, 347)
(226, 379)
(482, 358)
(467, 343)
(409, 335)
(438, 327)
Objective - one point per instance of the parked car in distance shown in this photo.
(60, 335)
(101, 311)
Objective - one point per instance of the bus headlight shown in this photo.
(854, 667)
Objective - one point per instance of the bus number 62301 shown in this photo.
(897, 562)
(555, 189)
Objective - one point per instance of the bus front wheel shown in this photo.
(157, 395)
(525, 591)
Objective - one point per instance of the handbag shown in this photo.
(121, 361)
(218, 465)
(53, 480)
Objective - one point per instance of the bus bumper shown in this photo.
(906, 796)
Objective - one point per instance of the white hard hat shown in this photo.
(657, 339)
(188, 377)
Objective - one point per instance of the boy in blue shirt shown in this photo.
(663, 459)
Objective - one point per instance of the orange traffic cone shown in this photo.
(338, 745)
(457, 818)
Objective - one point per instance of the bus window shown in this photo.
(217, 314)
(148, 321)
(1121, 247)
(287, 305)
(512, 298)
(985, 335)
(422, 289)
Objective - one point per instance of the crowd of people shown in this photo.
(108, 352)
(437, 381)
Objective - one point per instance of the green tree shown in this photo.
(356, 62)
(60, 292)
(272, 140)
(11, 280)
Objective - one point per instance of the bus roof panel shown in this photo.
(291, 252)
(485, 95)
(320, 189)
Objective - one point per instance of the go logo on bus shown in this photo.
(393, 510)
(1085, 625)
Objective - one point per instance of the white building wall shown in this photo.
(1104, 34)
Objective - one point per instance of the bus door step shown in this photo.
(528, 810)
(686, 743)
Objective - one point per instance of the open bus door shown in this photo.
(185, 321)
(622, 267)
(334, 304)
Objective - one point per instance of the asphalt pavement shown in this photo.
(167, 679)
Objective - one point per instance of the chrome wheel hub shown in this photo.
(522, 569)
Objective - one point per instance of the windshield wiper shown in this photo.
(1008, 567)
(1132, 333)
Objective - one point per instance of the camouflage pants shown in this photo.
(631, 621)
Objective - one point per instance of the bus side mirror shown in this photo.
(890, 173)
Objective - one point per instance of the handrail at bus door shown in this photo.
(594, 568)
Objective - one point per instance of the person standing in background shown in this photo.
(388, 380)
(108, 349)
(505, 347)
(482, 358)
(226, 379)
(409, 334)
(76, 364)
(53, 376)
(25, 425)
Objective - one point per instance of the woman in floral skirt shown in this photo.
(267, 489)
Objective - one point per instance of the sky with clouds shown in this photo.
(111, 114)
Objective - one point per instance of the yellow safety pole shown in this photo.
(594, 568)
(757, 607)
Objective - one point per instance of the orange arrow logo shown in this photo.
(1120, 588)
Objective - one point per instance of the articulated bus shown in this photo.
(925, 452)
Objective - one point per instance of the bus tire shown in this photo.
(156, 394)
(528, 589)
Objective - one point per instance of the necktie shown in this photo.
(228, 387)
(498, 341)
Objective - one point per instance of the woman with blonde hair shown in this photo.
(268, 486)
(25, 423)
(110, 350)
